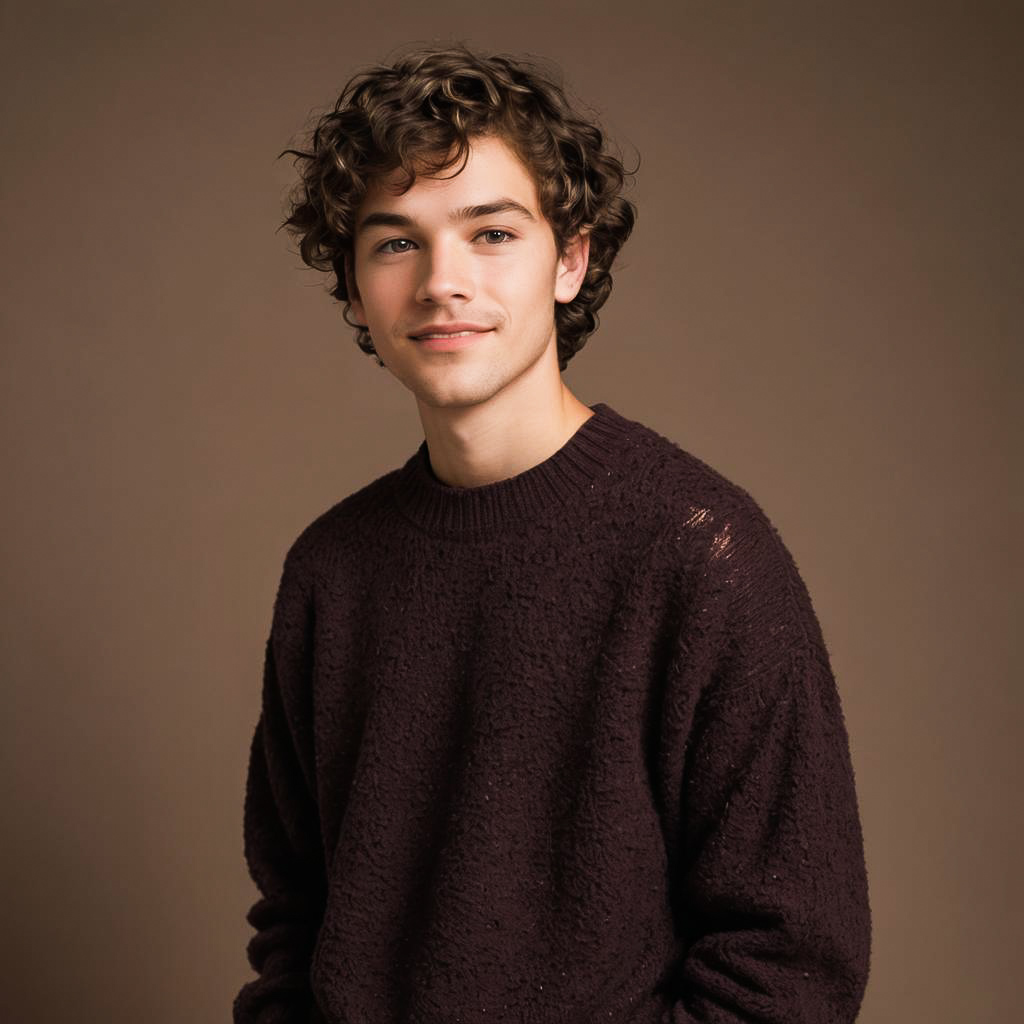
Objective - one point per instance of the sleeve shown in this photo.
(769, 878)
(283, 847)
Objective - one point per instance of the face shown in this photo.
(470, 254)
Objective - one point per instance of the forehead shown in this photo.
(492, 169)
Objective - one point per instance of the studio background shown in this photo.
(821, 299)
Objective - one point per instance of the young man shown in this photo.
(549, 731)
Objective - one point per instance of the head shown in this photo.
(411, 128)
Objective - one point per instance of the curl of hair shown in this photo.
(419, 115)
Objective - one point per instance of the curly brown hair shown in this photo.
(419, 115)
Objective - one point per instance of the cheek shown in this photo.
(381, 292)
(525, 285)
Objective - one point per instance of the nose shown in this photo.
(446, 274)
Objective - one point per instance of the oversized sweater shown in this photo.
(559, 749)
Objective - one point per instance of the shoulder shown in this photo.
(719, 544)
(338, 533)
(676, 488)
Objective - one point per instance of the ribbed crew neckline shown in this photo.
(589, 459)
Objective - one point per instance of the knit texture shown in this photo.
(560, 749)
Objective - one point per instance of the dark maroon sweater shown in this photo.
(559, 749)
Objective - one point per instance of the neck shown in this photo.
(471, 446)
(590, 461)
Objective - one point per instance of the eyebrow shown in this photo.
(399, 220)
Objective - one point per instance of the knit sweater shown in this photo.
(558, 749)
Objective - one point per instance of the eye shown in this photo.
(394, 241)
(508, 236)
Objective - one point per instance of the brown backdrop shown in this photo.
(820, 299)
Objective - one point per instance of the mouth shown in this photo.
(454, 336)
(449, 330)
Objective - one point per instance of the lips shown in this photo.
(449, 330)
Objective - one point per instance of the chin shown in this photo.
(453, 394)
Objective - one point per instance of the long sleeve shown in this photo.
(770, 878)
(283, 848)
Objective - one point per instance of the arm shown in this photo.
(770, 884)
(283, 848)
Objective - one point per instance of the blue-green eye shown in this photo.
(497, 231)
(395, 241)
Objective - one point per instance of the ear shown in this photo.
(353, 292)
(572, 267)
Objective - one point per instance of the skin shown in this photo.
(497, 406)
